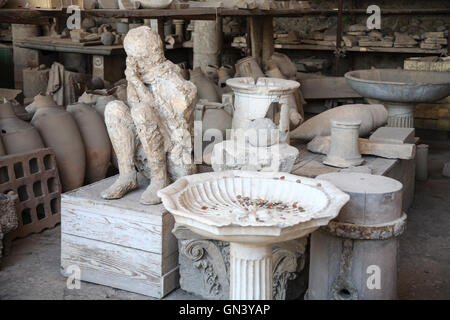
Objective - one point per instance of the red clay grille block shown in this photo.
(33, 176)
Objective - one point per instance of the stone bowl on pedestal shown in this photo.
(252, 210)
(400, 90)
(253, 99)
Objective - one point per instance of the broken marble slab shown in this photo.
(434, 34)
(357, 28)
(435, 40)
(232, 155)
(430, 46)
(384, 44)
(406, 151)
(350, 41)
(404, 40)
(108, 4)
(129, 5)
(393, 135)
(376, 34)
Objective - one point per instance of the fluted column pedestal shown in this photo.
(250, 272)
(400, 115)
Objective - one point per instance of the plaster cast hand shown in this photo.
(139, 90)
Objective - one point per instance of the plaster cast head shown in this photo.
(144, 43)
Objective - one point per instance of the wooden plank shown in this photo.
(327, 88)
(256, 37)
(89, 197)
(30, 15)
(99, 50)
(284, 46)
(119, 267)
(190, 13)
(310, 164)
(123, 230)
(267, 39)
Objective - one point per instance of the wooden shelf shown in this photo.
(38, 16)
(358, 49)
(48, 46)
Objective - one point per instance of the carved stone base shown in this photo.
(400, 115)
(205, 266)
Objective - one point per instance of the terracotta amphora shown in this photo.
(205, 87)
(96, 140)
(60, 132)
(17, 135)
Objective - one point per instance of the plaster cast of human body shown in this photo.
(154, 130)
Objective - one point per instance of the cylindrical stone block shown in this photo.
(179, 28)
(355, 256)
(207, 43)
(250, 272)
(344, 148)
(422, 162)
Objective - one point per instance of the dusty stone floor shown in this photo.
(31, 271)
(424, 271)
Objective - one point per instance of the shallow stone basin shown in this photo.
(400, 90)
(398, 85)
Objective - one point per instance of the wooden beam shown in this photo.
(256, 37)
(267, 42)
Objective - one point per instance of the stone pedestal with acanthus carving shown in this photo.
(205, 266)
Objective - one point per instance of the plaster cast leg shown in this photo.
(153, 144)
(120, 128)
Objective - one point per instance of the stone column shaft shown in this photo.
(251, 272)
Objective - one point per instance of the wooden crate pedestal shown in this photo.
(119, 243)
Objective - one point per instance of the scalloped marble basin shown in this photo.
(252, 207)
(252, 210)
(400, 90)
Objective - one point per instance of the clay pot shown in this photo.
(20, 111)
(122, 27)
(371, 116)
(214, 118)
(272, 70)
(225, 73)
(285, 64)
(101, 103)
(60, 132)
(17, 135)
(107, 38)
(96, 140)
(87, 23)
(211, 71)
(249, 67)
(206, 89)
